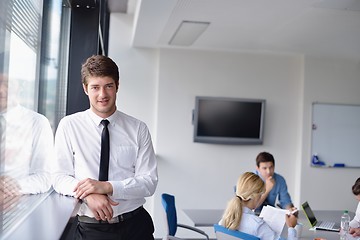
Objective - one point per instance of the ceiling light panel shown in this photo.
(187, 32)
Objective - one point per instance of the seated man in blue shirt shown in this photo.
(275, 184)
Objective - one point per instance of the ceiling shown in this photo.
(311, 27)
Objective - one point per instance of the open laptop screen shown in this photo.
(309, 213)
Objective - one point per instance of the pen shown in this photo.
(292, 212)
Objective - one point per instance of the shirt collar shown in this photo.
(257, 173)
(97, 120)
(248, 210)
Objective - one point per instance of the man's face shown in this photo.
(358, 197)
(102, 95)
(266, 169)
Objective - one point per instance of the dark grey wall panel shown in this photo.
(84, 43)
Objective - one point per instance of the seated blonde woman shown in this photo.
(239, 214)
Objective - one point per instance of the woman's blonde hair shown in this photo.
(248, 186)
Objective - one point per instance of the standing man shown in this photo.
(112, 206)
(275, 184)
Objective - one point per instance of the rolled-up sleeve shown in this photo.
(284, 196)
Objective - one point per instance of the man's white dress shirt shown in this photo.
(27, 144)
(132, 164)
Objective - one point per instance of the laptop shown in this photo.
(319, 225)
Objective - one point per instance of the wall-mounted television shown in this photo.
(224, 120)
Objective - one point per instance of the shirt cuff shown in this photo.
(354, 224)
(116, 187)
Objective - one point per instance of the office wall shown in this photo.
(138, 72)
(332, 81)
(203, 175)
(159, 87)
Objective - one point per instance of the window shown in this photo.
(35, 47)
(29, 70)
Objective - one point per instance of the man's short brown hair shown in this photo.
(264, 157)
(99, 66)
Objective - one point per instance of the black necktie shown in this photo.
(105, 149)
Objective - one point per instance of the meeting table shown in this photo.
(208, 217)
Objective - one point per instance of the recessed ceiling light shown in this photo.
(187, 33)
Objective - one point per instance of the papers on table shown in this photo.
(274, 217)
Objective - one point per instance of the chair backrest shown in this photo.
(168, 202)
(223, 233)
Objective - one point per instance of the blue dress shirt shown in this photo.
(279, 192)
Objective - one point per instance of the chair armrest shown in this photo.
(193, 229)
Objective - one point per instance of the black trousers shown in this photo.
(138, 227)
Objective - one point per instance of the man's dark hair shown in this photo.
(99, 66)
(264, 157)
(356, 187)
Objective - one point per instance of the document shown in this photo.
(274, 217)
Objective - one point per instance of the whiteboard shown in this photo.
(336, 134)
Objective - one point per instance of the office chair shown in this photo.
(168, 202)
(223, 233)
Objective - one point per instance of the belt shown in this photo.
(117, 219)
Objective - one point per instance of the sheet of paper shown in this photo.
(274, 217)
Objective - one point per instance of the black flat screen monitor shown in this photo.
(229, 120)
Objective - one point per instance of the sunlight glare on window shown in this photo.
(22, 72)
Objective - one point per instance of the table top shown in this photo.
(321, 215)
(208, 217)
(47, 221)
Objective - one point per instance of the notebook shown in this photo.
(319, 225)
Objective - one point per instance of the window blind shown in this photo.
(23, 17)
